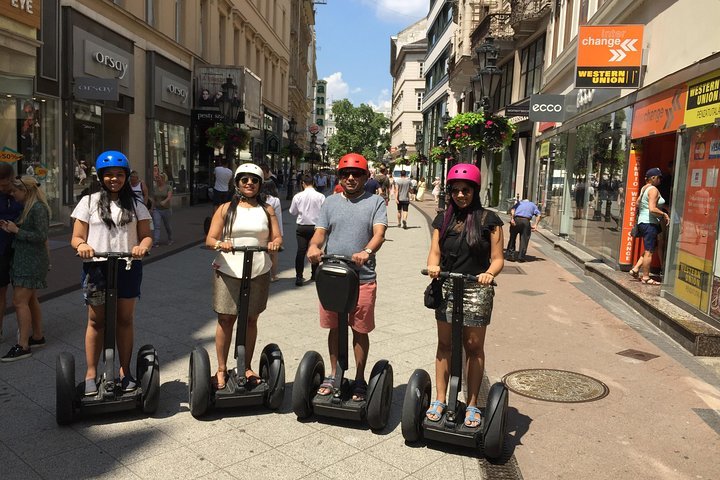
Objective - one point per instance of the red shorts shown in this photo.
(362, 319)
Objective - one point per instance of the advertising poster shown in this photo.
(699, 223)
(209, 85)
(630, 208)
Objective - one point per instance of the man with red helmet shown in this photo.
(351, 223)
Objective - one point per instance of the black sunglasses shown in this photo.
(253, 180)
(355, 172)
(465, 191)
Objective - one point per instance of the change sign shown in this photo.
(609, 56)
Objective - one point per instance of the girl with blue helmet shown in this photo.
(114, 219)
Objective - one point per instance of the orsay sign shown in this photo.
(179, 91)
(112, 62)
(547, 108)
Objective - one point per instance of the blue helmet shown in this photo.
(112, 158)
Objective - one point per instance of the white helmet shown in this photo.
(249, 168)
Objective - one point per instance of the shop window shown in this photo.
(87, 145)
(170, 153)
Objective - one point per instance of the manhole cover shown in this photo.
(555, 385)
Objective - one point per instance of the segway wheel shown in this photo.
(272, 371)
(199, 384)
(415, 404)
(495, 414)
(206, 225)
(148, 374)
(380, 392)
(309, 376)
(64, 388)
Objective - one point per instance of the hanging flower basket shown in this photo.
(221, 135)
(480, 131)
(438, 153)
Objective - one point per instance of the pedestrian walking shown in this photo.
(413, 188)
(421, 190)
(351, 223)
(384, 182)
(246, 220)
(269, 194)
(9, 210)
(521, 216)
(111, 220)
(466, 239)
(139, 187)
(402, 198)
(162, 209)
(30, 263)
(648, 220)
(436, 189)
(306, 207)
(222, 176)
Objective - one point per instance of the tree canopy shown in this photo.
(358, 129)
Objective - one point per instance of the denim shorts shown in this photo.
(93, 280)
(649, 233)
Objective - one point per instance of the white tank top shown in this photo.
(251, 228)
(137, 188)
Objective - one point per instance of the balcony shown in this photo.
(496, 25)
(527, 15)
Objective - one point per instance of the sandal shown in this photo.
(359, 390)
(252, 378)
(650, 281)
(436, 410)
(327, 386)
(634, 273)
(472, 415)
(218, 384)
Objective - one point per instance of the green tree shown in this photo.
(358, 130)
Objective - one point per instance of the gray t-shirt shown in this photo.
(403, 186)
(349, 223)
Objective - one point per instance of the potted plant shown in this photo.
(479, 130)
(437, 154)
(221, 135)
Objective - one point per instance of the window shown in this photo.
(320, 111)
(421, 69)
(320, 122)
(236, 45)
(151, 12)
(321, 88)
(203, 27)
(419, 96)
(568, 22)
(503, 94)
(320, 100)
(531, 67)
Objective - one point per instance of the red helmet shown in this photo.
(353, 160)
(464, 171)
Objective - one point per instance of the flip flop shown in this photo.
(221, 386)
(328, 385)
(252, 379)
(359, 391)
(436, 408)
(472, 414)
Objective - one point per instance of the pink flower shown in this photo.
(466, 127)
(489, 122)
(457, 135)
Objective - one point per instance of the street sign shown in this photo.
(547, 108)
(609, 56)
(314, 129)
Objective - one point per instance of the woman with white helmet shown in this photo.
(246, 220)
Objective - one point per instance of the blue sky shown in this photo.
(353, 46)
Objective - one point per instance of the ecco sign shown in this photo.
(111, 62)
(547, 108)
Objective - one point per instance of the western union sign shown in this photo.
(703, 100)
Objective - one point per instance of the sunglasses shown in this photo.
(345, 173)
(246, 180)
(465, 191)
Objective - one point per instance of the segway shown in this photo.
(338, 288)
(238, 392)
(70, 399)
(450, 428)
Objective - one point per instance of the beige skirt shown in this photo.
(226, 293)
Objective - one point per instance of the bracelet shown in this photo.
(491, 274)
(81, 243)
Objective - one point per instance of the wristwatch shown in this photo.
(368, 251)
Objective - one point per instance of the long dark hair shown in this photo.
(231, 213)
(473, 216)
(127, 198)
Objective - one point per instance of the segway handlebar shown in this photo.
(465, 276)
(115, 254)
(344, 258)
(246, 248)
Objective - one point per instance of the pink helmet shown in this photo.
(464, 171)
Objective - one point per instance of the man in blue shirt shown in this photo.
(520, 218)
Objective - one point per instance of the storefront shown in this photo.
(98, 99)
(169, 123)
(29, 127)
(692, 275)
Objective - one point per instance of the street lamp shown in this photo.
(488, 75)
(323, 150)
(442, 141)
(291, 132)
(403, 151)
(229, 106)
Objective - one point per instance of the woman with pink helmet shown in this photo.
(466, 239)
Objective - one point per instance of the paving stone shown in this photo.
(85, 462)
(138, 445)
(179, 463)
(13, 467)
(306, 450)
(362, 466)
(226, 449)
(269, 465)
